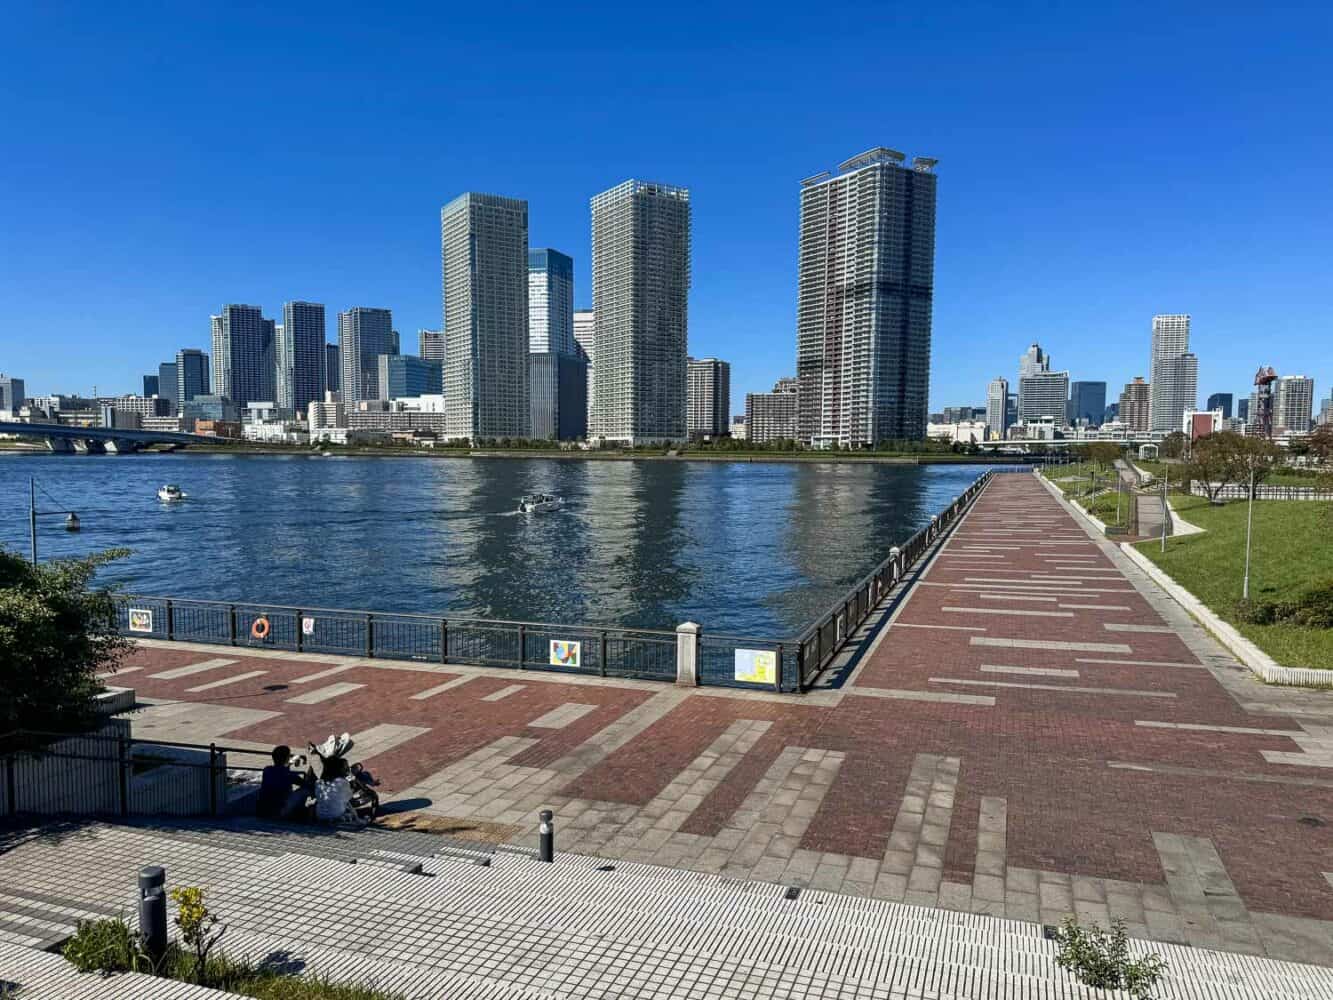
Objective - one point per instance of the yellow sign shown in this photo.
(756, 666)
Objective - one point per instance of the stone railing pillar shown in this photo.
(687, 654)
(896, 561)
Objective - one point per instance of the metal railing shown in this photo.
(646, 654)
(115, 774)
(786, 665)
(822, 641)
(1263, 491)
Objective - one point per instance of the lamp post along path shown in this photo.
(1249, 526)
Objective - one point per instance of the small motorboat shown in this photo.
(539, 503)
(171, 493)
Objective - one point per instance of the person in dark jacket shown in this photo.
(282, 792)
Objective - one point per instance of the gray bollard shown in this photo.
(153, 911)
(546, 837)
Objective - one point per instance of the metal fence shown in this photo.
(606, 651)
(112, 773)
(820, 643)
(647, 654)
(1264, 491)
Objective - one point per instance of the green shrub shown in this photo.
(1312, 608)
(106, 946)
(266, 982)
(1100, 958)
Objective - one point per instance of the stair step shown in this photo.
(410, 867)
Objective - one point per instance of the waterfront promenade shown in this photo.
(1037, 732)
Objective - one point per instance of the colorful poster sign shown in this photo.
(756, 666)
(565, 654)
(307, 626)
(141, 620)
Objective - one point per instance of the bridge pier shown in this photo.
(59, 446)
(119, 446)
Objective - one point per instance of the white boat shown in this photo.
(171, 492)
(539, 503)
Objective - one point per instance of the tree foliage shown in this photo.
(1173, 445)
(1221, 459)
(1099, 453)
(56, 635)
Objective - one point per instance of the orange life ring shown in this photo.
(260, 628)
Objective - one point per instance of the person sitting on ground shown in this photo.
(282, 791)
(333, 794)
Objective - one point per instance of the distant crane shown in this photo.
(1261, 420)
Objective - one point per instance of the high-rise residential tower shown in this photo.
(363, 335)
(430, 345)
(640, 298)
(585, 332)
(1087, 402)
(997, 407)
(300, 356)
(1174, 374)
(1033, 362)
(484, 268)
(12, 392)
(1135, 401)
(866, 273)
(708, 397)
(243, 361)
(1293, 404)
(771, 416)
(189, 375)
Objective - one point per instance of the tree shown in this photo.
(1173, 445)
(1320, 444)
(56, 635)
(1221, 459)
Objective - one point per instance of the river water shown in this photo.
(752, 549)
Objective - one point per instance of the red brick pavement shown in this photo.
(1046, 752)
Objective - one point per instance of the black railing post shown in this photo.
(370, 635)
(171, 621)
(800, 667)
(444, 640)
(231, 614)
(601, 653)
(124, 762)
(212, 779)
(777, 674)
(11, 791)
(522, 646)
(300, 630)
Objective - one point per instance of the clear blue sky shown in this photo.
(1098, 163)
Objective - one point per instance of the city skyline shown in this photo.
(1010, 268)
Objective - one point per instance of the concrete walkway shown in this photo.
(1037, 732)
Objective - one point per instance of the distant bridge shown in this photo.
(100, 440)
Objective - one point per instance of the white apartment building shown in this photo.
(640, 300)
(866, 282)
(1293, 404)
(484, 277)
(1174, 373)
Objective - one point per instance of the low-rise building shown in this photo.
(218, 428)
(959, 432)
(771, 416)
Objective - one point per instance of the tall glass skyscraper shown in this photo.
(300, 356)
(189, 375)
(333, 369)
(867, 275)
(1087, 401)
(640, 301)
(550, 302)
(363, 335)
(484, 278)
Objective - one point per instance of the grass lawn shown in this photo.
(1291, 551)
(1075, 479)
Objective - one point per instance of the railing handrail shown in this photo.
(837, 606)
(361, 613)
(113, 738)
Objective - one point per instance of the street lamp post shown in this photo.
(71, 518)
(1249, 524)
(1166, 508)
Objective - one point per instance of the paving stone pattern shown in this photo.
(1106, 759)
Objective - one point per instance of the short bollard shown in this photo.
(546, 837)
(153, 911)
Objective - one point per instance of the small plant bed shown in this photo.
(1100, 958)
(1095, 489)
(1290, 610)
(109, 947)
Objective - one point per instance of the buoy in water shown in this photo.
(72, 522)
